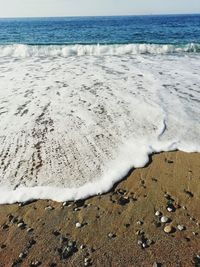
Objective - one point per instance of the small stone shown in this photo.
(87, 261)
(76, 209)
(82, 246)
(155, 264)
(111, 235)
(167, 196)
(92, 250)
(49, 208)
(196, 260)
(144, 245)
(139, 242)
(158, 213)
(56, 233)
(70, 243)
(10, 217)
(22, 255)
(35, 263)
(180, 227)
(29, 230)
(164, 219)
(139, 222)
(127, 225)
(168, 229)
(78, 225)
(5, 226)
(169, 209)
(21, 225)
(14, 220)
(123, 201)
(137, 232)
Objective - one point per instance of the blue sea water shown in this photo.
(168, 29)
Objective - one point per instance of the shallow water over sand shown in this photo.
(82, 122)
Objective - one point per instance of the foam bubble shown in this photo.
(23, 51)
(73, 126)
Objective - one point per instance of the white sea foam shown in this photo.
(71, 127)
(23, 51)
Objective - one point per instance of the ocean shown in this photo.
(85, 99)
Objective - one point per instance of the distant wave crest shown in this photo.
(24, 51)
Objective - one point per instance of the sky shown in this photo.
(46, 8)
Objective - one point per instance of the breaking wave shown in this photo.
(24, 51)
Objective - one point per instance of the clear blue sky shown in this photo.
(38, 8)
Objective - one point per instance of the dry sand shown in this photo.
(119, 228)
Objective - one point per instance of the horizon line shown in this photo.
(88, 16)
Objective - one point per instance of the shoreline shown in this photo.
(22, 196)
(119, 228)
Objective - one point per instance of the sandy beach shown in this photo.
(151, 218)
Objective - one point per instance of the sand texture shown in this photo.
(119, 228)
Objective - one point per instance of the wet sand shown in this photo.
(120, 228)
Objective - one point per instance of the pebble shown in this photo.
(167, 196)
(169, 209)
(155, 264)
(64, 204)
(138, 232)
(35, 263)
(14, 220)
(111, 235)
(22, 255)
(82, 246)
(29, 230)
(123, 201)
(10, 217)
(56, 233)
(164, 219)
(181, 227)
(168, 229)
(139, 222)
(21, 225)
(87, 261)
(78, 225)
(144, 245)
(158, 213)
(5, 226)
(49, 208)
(76, 209)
